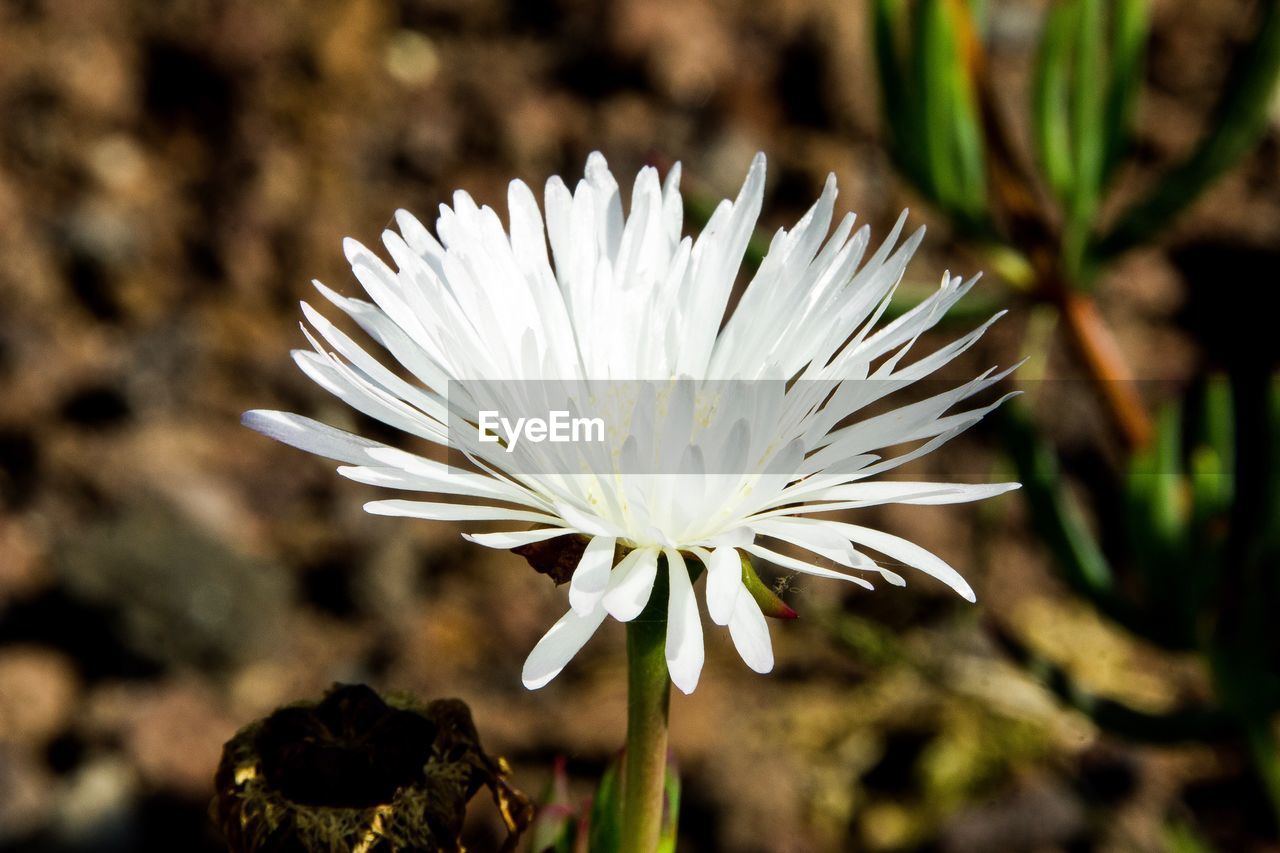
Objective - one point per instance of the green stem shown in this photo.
(1266, 760)
(645, 761)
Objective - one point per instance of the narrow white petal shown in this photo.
(586, 523)
(309, 435)
(909, 553)
(902, 492)
(801, 566)
(558, 646)
(684, 626)
(449, 480)
(724, 584)
(436, 511)
(631, 584)
(750, 633)
(456, 483)
(739, 537)
(516, 538)
(591, 577)
(812, 535)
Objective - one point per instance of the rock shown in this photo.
(26, 795)
(1036, 816)
(95, 806)
(179, 596)
(39, 689)
(171, 733)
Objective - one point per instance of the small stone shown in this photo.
(172, 732)
(411, 59)
(26, 794)
(96, 802)
(38, 691)
(117, 162)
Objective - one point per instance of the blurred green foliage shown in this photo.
(932, 114)
(562, 828)
(947, 139)
(1199, 537)
(1197, 568)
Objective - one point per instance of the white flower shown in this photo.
(628, 298)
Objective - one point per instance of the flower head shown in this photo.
(726, 427)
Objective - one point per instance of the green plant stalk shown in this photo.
(1087, 142)
(1049, 90)
(645, 761)
(1129, 32)
(898, 109)
(1240, 119)
(1056, 518)
(964, 116)
(933, 57)
(1266, 758)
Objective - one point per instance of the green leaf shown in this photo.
(1087, 142)
(1168, 520)
(1213, 457)
(1266, 757)
(952, 134)
(671, 812)
(1212, 484)
(605, 829)
(1180, 837)
(1239, 120)
(901, 111)
(1271, 500)
(1130, 27)
(1159, 537)
(1055, 516)
(1049, 97)
(970, 151)
(931, 53)
(930, 104)
(555, 829)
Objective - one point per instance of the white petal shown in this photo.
(429, 403)
(910, 553)
(739, 537)
(446, 479)
(516, 538)
(750, 635)
(812, 535)
(684, 626)
(588, 524)
(591, 577)
(903, 492)
(453, 483)
(433, 511)
(801, 566)
(631, 584)
(724, 584)
(309, 435)
(558, 646)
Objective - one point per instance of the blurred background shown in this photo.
(173, 174)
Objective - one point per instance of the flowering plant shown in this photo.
(754, 417)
